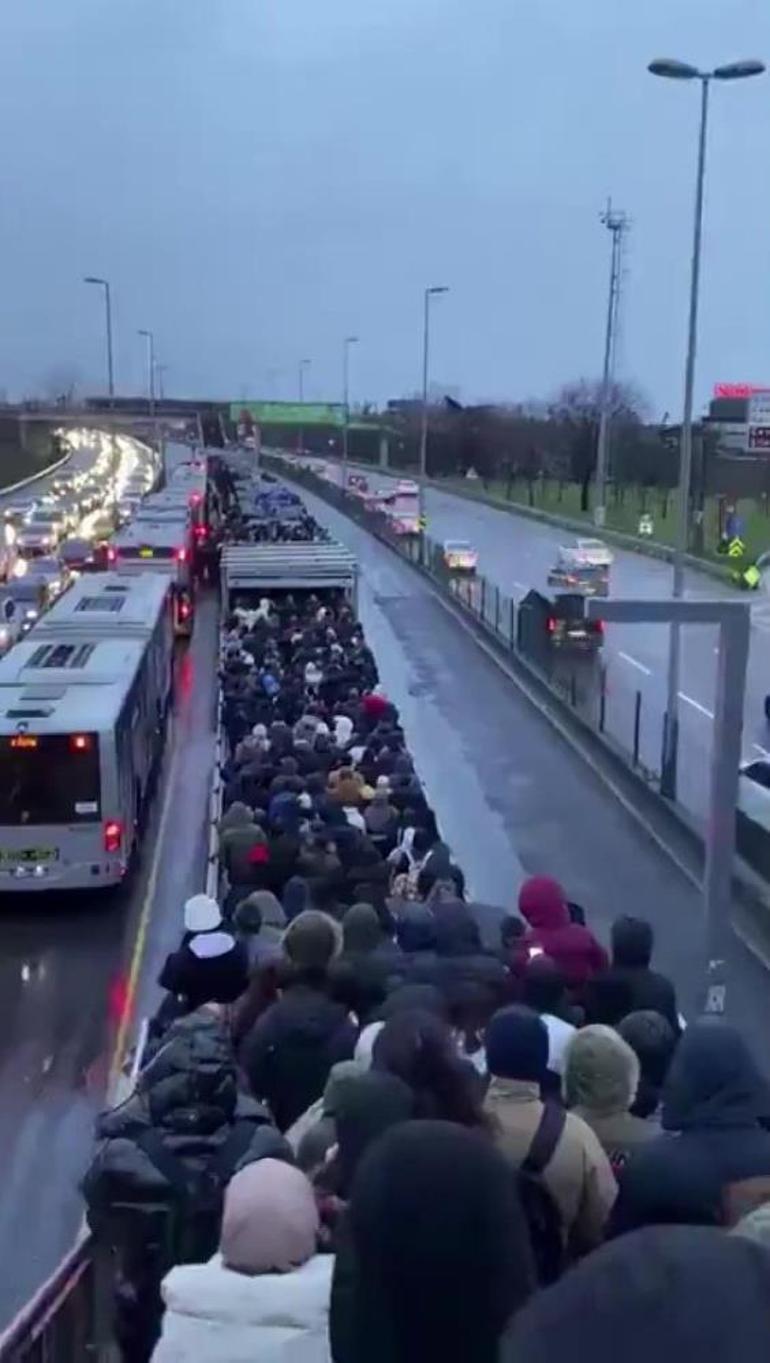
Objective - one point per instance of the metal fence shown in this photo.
(600, 697)
(68, 1319)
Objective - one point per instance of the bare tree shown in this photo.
(577, 406)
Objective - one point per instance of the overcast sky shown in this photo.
(258, 178)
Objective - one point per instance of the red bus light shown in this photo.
(181, 555)
(195, 499)
(113, 835)
(551, 625)
(80, 742)
(599, 626)
(112, 554)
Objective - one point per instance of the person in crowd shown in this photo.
(420, 1049)
(366, 1105)
(381, 818)
(210, 965)
(544, 990)
(437, 1259)
(551, 931)
(715, 1100)
(416, 937)
(664, 1293)
(601, 1076)
(653, 1040)
(260, 921)
(265, 1296)
(314, 1133)
(154, 1188)
(572, 1165)
(288, 1053)
(632, 942)
(462, 960)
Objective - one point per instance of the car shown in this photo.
(574, 574)
(50, 574)
(595, 553)
(80, 555)
(569, 629)
(459, 556)
(14, 512)
(40, 532)
(21, 604)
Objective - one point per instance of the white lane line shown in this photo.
(759, 748)
(696, 705)
(635, 663)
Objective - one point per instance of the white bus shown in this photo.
(84, 707)
(160, 544)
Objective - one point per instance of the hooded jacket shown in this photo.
(713, 1102)
(601, 1077)
(662, 1294)
(188, 1098)
(573, 948)
(214, 1314)
(290, 1050)
(210, 967)
(462, 960)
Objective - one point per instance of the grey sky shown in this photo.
(259, 177)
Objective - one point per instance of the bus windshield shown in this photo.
(49, 779)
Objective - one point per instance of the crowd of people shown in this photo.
(366, 1135)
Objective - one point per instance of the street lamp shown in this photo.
(303, 366)
(149, 337)
(346, 344)
(104, 284)
(676, 70)
(429, 293)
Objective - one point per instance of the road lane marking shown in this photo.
(119, 1053)
(696, 705)
(635, 663)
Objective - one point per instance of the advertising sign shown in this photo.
(287, 413)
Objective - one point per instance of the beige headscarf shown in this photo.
(270, 1222)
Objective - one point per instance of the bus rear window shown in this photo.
(49, 779)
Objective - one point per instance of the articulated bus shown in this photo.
(84, 706)
(160, 543)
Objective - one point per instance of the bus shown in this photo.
(84, 707)
(160, 543)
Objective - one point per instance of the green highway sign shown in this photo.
(289, 413)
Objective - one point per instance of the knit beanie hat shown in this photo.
(517, 1045)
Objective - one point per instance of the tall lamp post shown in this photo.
(105, 284)
(429, 293)
(346, 344)
(676, 70)
(149, 337)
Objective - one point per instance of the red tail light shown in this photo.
(181, 555)
(112, 554)
(184, 610)
(599, 626)
(201, 532)
(551, 624)
(113, 835)
(195, 498)
(80, 742)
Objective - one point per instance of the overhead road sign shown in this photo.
(289, 413)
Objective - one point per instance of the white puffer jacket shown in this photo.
(216, 1316)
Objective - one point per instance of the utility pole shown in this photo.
(303, 366)
(617, 225)
(346, 344)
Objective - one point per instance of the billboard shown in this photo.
(738, 390)
(288, 413)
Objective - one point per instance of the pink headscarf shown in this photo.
(270, 1222)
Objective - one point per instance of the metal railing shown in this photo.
(67, 1321)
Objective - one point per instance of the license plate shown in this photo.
(145, 553)
(30, 855)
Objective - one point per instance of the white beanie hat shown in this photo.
(201, 913)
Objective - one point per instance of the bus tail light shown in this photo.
(181, 555)
(112, 554)
(113, 835)
(184, 609)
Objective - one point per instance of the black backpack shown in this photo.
(543, 1216)
(193, 1219)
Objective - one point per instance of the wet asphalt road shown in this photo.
(516, 553)
(511, 798)
(65, 967)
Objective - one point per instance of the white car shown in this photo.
(460, 556)
(41, 532)
(594, 553)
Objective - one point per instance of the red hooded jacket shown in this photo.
(574, 949)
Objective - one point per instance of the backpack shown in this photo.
(540, 1209)
(194, 1216)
